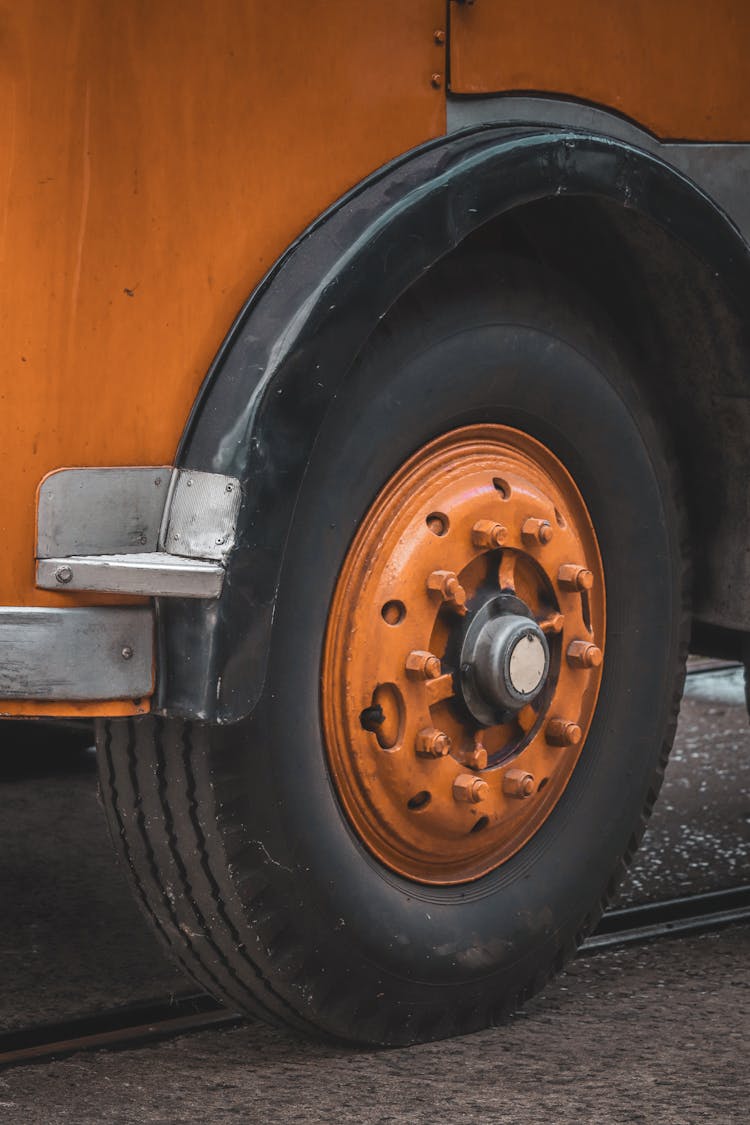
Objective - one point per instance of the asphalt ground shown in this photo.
(657, 1032)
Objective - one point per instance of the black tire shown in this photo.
(235, 839)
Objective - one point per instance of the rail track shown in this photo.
(138, 1024)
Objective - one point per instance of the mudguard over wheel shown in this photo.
(475, 670)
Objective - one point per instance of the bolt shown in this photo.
(437, 81)
(582, 654)
(552, 624)
(63, 575)
(573, 577)
(445, 583)
(536, 531)
(477, 758)
(439, 37)
(467, 787)
(432, 743)
(422, 665)
(127, 652)
(562, 732)
(518, 783)
(488, 534)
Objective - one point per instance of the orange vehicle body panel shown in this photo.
(677, 67)
(155, 159)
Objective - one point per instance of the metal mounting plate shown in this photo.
(92, 653)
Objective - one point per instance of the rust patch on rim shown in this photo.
(464, 654)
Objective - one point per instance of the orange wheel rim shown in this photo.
(463, 656)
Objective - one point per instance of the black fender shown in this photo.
(264, 399)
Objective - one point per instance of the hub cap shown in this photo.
(463, 656)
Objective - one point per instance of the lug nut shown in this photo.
(469, 788)
(572, 577)
(582, 654)
(561, 732)
(536, 531)
(518, 783)
(488, 534)
(445, 583)
(422, 665)
(432, 743)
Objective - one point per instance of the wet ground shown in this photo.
(652, 1033)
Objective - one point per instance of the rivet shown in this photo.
(471, 789)
(536, 531)
(573, 577)
(439, 37)
(518, 783)
(562, 732)
(219, 541)
(437, 81)
(432, 743)
(422, 665)
(63, 575)
(229, 488)
(127, 652)
(582, 654)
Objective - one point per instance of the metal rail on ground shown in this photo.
(139, 1024)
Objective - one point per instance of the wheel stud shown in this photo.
(561, 732)
(582, 654)
(432, 743)
(536, 531)
(572, 577)
(488, 534)
(518, 783)
(445, 583)
(469, 788)
(422, 665)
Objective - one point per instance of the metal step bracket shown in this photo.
(154, 531)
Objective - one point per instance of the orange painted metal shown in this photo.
(409, 797)
(677, 67)
(155, 159)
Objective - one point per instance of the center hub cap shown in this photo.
(504, 662)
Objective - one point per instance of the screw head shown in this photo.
(432, 743)
(470, 789)
(536, 531)
(422, 665)
(488, 534)
(63, 575)
(562, 732)
(583, 654)
(572, 577)
(445, 583)
(518, 783)
(127, 653)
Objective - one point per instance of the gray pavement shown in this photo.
(654, 1033)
